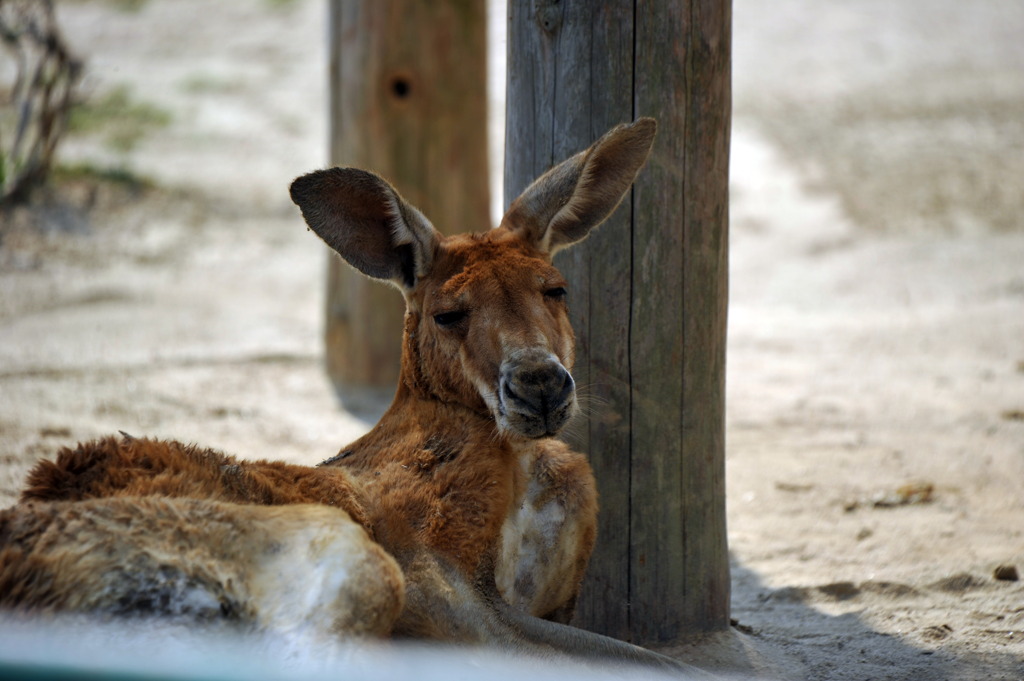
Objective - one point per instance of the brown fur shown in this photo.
(491, 519)
(130, 467)
(191, 558)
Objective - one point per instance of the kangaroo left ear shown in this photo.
(362, 217)
(563, 205)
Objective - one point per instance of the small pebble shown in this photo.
(1006, 573)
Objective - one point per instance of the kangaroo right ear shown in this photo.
(362, 217)
(565, 203)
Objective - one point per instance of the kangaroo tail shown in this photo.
(534, 635)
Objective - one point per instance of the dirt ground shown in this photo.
(876, 340)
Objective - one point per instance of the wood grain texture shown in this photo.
(648, 292)
(408, 101)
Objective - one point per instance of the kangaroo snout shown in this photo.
(536, 394)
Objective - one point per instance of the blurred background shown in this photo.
(161, 282)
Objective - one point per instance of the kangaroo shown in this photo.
(459, 517)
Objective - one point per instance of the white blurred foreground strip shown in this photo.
(143, 650)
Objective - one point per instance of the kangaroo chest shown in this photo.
(449, 496)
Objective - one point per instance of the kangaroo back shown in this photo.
(140, 467)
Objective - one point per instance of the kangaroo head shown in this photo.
(486, 322)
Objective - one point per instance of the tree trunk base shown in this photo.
(366, 403)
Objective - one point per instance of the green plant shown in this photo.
(118, 116)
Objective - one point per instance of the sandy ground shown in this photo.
(876, 341)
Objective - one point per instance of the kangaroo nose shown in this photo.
(537, 395)
(540, 389)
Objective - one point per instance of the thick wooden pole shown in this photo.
(408, 101)
(648, 292)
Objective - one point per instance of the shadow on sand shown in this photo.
(781, 634)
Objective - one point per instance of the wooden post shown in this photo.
(648, 292)
(408, 101)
